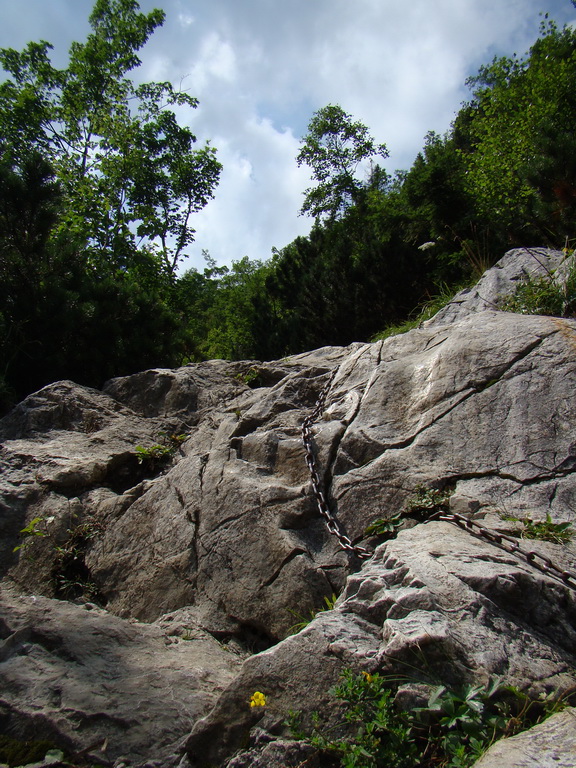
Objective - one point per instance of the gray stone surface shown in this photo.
(434, 604)
(551, 744)
(501, 281)
(477, 402)
(79, 676)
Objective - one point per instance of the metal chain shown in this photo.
(331, 522)
(502, 540)
(511, 545)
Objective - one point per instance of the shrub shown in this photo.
(452, 730)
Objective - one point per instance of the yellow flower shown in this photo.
(258, 699)
(368, 677)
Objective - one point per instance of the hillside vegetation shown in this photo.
(99, 184)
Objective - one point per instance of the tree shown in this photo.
(129, 173)
(333, 148)
(60, 319)
(517, 140)
(98, 184)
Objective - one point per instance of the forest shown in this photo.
(100, 183)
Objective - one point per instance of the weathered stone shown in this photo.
(178, 393)
(477, 401)
(477, 406)
(278, 754)
(501, 281)
(78, 676)
(434, 603)
(552, 744)
(57, 445)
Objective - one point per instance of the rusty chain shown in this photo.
(323, 507)
(509, 544)
(502, 540)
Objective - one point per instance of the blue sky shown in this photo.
(260, 69)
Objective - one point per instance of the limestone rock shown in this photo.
(552, 744)
(78, 676)
(434, 604)
(223, 525)
(178, 393)
(501, 281)
(57, 445)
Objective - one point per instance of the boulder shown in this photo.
(551, 744)
(501, 280)
(187, 490)
(434, 605)
(79, 677)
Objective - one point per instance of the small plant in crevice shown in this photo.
(544, 295)
(384, 527)
(329, 603)
(31, 530)
(16, 753)
(152, 454)
(452, 730)
(422, 504)
(71, 576)
(155, 456)
(427, 501)
(543, 530)
(252, 377)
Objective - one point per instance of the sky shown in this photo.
(261, 68)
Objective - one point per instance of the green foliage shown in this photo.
(158, 454)
(546, 295)
(16, 753)
(30, 531)
(98, 184)
(241, 315)
(453, 730)
(515, 138)
(125, 165)
(544, 530)
(303, 622)
(427, 501)
(386, 527)
(333, 148)
(251, 377)
(61, 319)
(71, 576)
(376, 735)
(153, 453)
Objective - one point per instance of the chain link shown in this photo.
(511, 545)
(502, 540)
(323, 507)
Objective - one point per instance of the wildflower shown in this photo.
(368, 677)
(257, 699)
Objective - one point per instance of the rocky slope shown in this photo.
(171, 536)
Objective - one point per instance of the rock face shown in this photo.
(549, 745)
(137, 687)
(187, 491)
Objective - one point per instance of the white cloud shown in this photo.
(259, 194)
(216, 61)
(185, 20)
